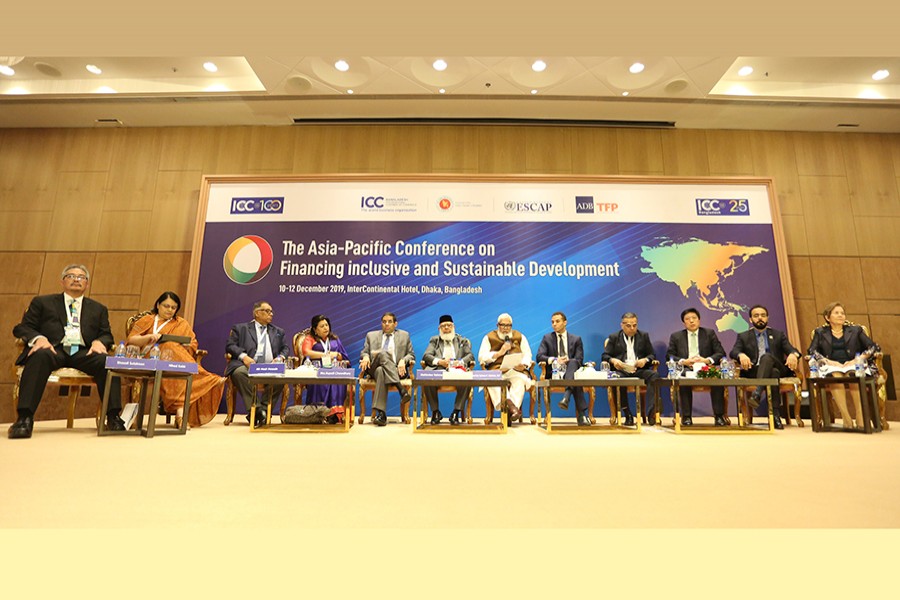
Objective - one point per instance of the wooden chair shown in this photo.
(230, 392)
(786, 385)
(591, 394)
(467, 411)
(297, 344)
(367, 385)
(613, 412)
(489, 406)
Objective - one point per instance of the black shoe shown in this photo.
(260, 418)
(629, 420)
(21, 429)
(405, 397)
(584, 420)
(720, 421)
(753, 400)
(651, 418)
(564, 403)
(686, 421)
(454, 417)
(114, 423)
(380, 418)
(776, 421)
(436, 417)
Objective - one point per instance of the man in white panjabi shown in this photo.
(495, 346)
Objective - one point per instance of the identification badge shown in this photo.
(73, 336)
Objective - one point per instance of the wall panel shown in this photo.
(870, 176)
(685, 152)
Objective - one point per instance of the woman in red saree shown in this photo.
(206, 387)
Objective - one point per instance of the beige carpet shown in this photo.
(219, 476)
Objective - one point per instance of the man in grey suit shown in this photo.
(255, 342)
(386, 356)
(693, 345)
(764, 352)
(445, 347)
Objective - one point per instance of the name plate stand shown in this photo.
(438, 378)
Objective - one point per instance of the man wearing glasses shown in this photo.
(386, 356)
(495, 347)
(63, 330)
(255, 342)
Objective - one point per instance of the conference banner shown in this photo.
(355, 247)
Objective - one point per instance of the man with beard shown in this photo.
(494, 347)
(445, 347)
(765, 353)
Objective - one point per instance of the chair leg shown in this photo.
(592, 397)
(404, 407)
(74, 394)
(488, 409)
(797, 405)
(613, 410)
(469, 405)
(229, 402)
(531, 413)
(362, 406)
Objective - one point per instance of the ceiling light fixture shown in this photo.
(17, 91)
(210, 67)
(624, 93)
(538, 66)
(442, 90)
(534, 91)
(105, 89)
(439, 65)
(744, 71)
(636, 68)
(881, 74)
(8, 71)
(217, 87)
(342, 65)
(349, 91)
(94, 69)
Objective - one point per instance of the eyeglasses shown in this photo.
(266, 310)
(76, 277)
(504, 324)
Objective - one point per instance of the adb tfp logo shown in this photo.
(255, 206)
(372, 202)
(584, 204)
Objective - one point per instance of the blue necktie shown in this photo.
(73, 312)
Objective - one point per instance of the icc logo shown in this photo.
(372, 202)
(705, 205)
(248, 206)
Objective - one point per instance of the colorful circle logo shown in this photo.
(248, 259)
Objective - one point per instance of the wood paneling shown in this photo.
(188, 148)
(819, 154)
(730, 152)
(774, 156)
(685, 152)
(174, 210)
(838, 279)
(12, 307)
(594, 151)
(89, 149)
(55, 262)
(830, 230)
(801, 277)
(317, 149)
(21, 272)
(886, 333)
(501, 150)
(871, 176)
(362, 149)
(408, 150)
(548, 150)
(639, 151)
(29, 169)
(75, 224)
(118, 273)
(455, 149)
(881, 277)
(124, 230)
(271, 149)
(795, 235)
(807, 320)
(232, 151)
(132, 173)
(164, 271)
(884, 307)
(24, 230)
(877, 236)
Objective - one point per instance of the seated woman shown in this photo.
(323, 346)
(206, 387)
(839, 343)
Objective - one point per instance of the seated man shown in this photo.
(630, 352)
(567, 349)
(494, 347)
(697, 345)
(442, 348)
(63, 330)
(257, 341)
(385, 356)
(764, 352)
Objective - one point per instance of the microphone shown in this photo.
(506, 339)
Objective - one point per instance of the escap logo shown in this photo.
(529, 207)
(256, 206)
(584, 204)
(445, 203)
(248, 259)
(373, 202)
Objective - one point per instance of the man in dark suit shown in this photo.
(764, 352)
(445, 347)
(386, 355)
(63, 330)
(697, 345)
(630, 352)
(255, 342)
(567, 349)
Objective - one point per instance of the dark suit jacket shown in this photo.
(707, 343)
(615, 347)
(461, 346)
(856, 339)
(779, 345)
(242, 340)
(46, 315)
(548, 349)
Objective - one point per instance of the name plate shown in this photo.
(488, 375)
(429, 374)
(150, 364)
(337, 373)
(266, 368)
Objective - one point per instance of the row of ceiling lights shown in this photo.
(877, 75)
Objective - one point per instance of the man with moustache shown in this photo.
(386, 355)
(494, 347)
(445, 347)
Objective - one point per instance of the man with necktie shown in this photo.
(567, 349)
(255, 342)
(765, 353)
(697, 345)
(63, 330)
(443, 348)
(386, 356)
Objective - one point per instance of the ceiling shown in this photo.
(699, 92)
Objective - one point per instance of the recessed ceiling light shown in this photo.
(636, 67)
(94, 69)
(18, 91)
(349, 91)
(105, 89)
(624, 93)
(439, 65)
(868, 94)
(881, 74)
(744, 71)
(342, 65)
(538, 66)
(217, 87)
(442, 90)
(7, 70)
(534, 91)
(210, 66)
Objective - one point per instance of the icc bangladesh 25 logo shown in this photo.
(248, 259)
